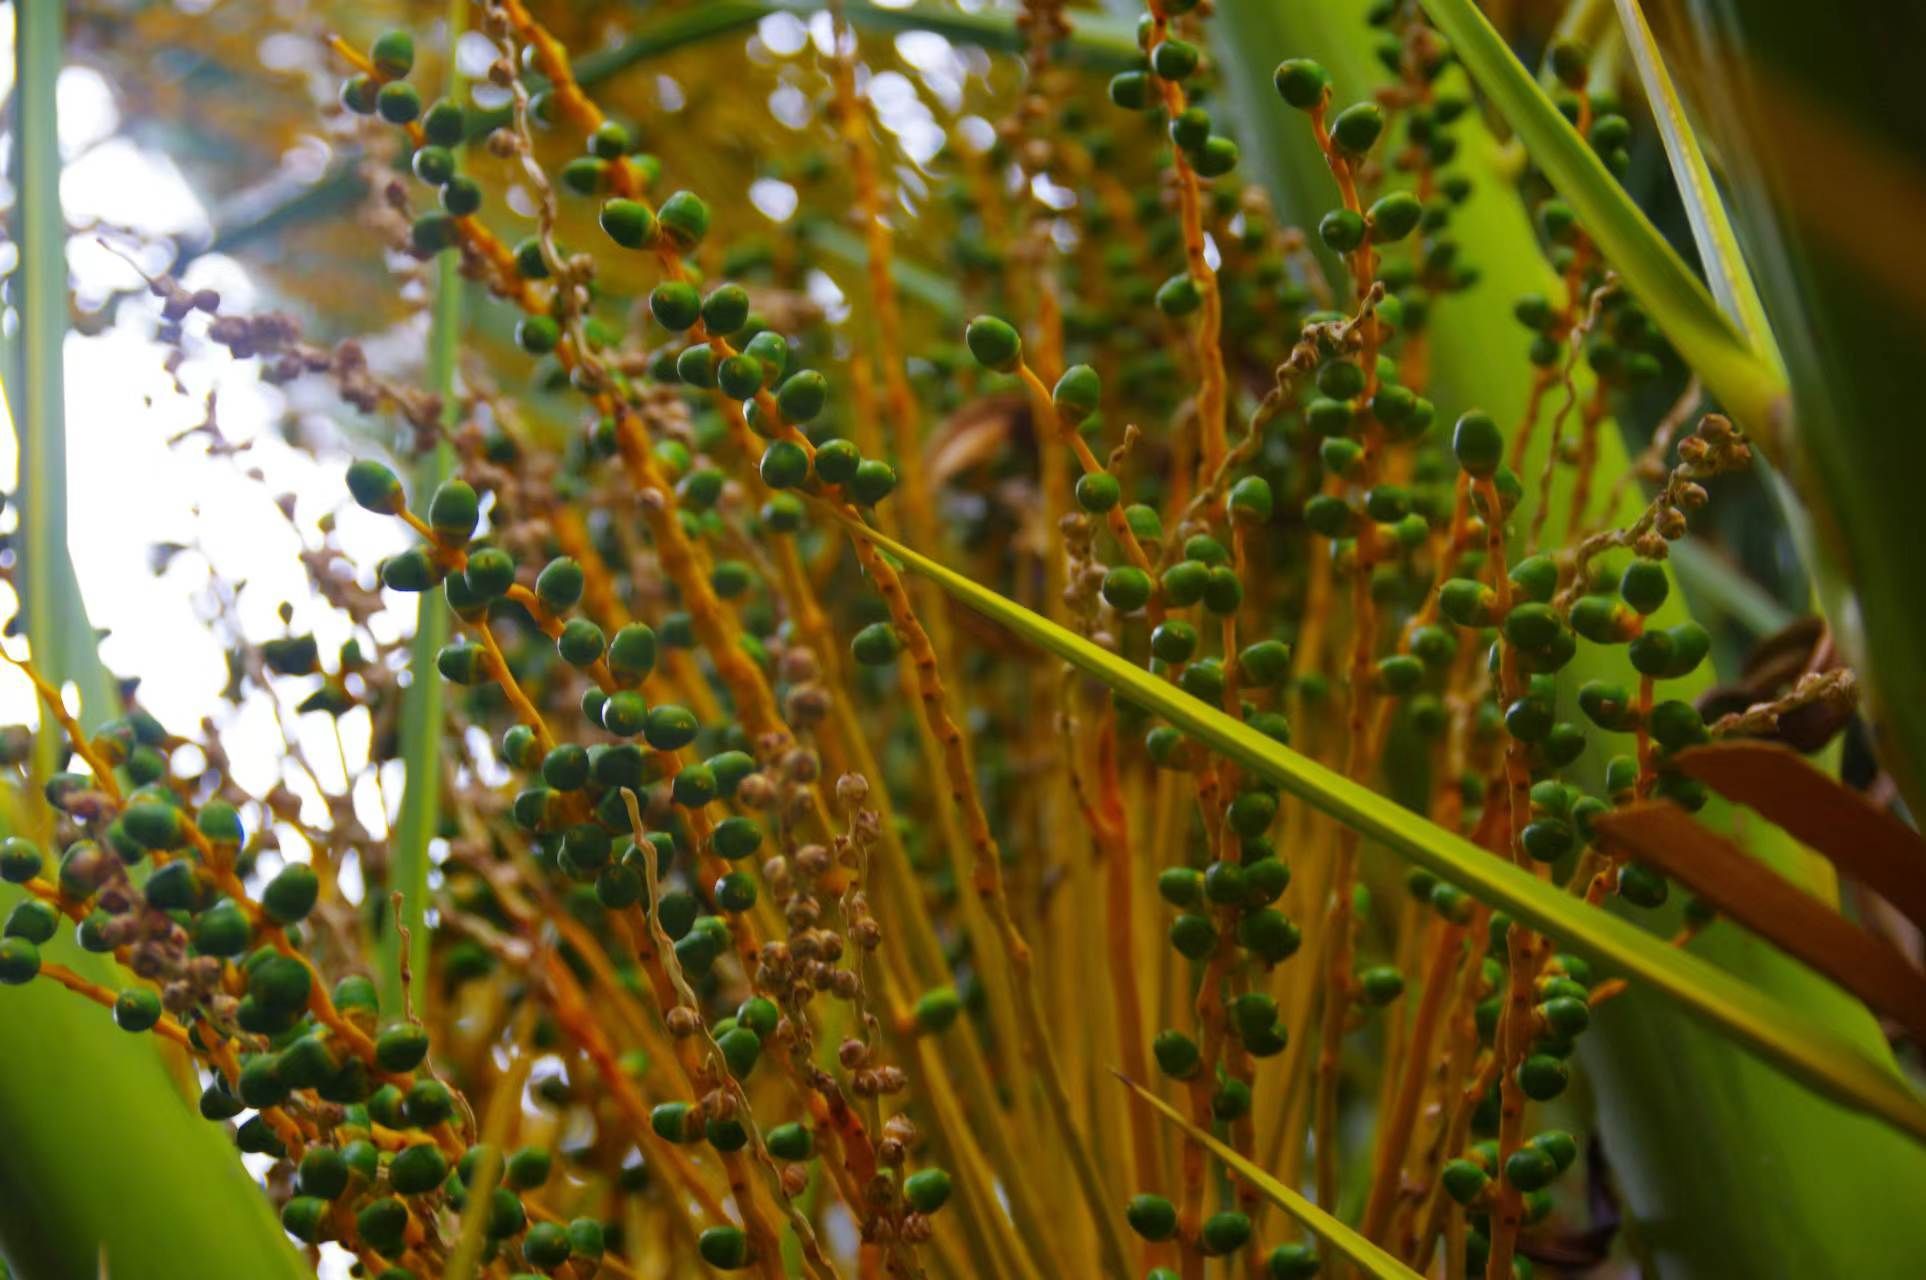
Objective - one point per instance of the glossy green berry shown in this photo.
(527, 1168)
(1251, 500)
(770, 351)
(358, 94)
(631, 653)
(1291, 1262)
(1547, 840)
(433, 165)
(1269, 935)
(1641, 886)
(1126, 588)
(137, 1009)
(222, 930)
(1559, 1145)
(684, 219)
(1224, 1233)
(323, 1173)
(725, 310)
(304, 1217)
(1464, 1180)
(462, 663)
(401, 1048)
(1394, 216)
(1529, 1169)
(375, 488)
(1253, 1013)
(1077, 393)
(1357, 127)
(1690, 645)
(428, 1103)
(1180, 886)
(34, 920)
(1645, 585)
(1177, 1054)
(739, 376)
(629, 223)
(454, 511)
(668, 727)
(581, 643)
(784, 465)
(1266, 662)
(393, 54)
(1098, 492)
(1231, 1101)
(1531, 626)
(1224, 884)
(1565, 1016)
(873, 481)
(20, 860)
(876, 645)
(1174, 59)
(1179, 296)
(1478, 444)
(675, 305)
(1223, 591)
(461, 196)
(1130, 90)
(1675, 724)
(412, 571)
(444, 124)
(1542, 1078)
(559, 585)
(927, 1190)
(724, 1248)
(1193, 936)
(397, 102)
(1217, 157)
(1184, 583)
(1380, 985)
(1301, 82)
(417, 1169)
(673, 1121)
(802, 397)
(1151, 1216)
(994, 343)
(1341, 230)
(792, 1142)
(174, 887)
(289, 897)
(506, 1214)
(837, 462)
(546, 1245)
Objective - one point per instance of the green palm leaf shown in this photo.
(106, 1169)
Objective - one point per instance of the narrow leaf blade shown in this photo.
(1718, 244)
(1372, 1260)
(105, 1167)
(1786, 1037)
(1750, 389)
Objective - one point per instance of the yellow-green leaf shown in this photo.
(1372, 1260)
(1780, 1034)
(1750, 388)
(1712, 232)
